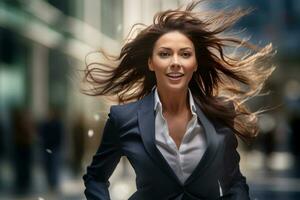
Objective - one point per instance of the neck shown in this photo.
(173, 102)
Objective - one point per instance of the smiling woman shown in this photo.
(174, 61)
(187, 106)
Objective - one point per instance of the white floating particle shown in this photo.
(96, 117)
(90, 133)
(119, 27)
(49, 151)
(41, 198)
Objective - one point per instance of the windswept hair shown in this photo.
(224, 79)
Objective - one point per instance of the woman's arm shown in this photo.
(239, 189)
(104, 162)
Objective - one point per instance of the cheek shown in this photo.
(160, 65)
(191, 67)
(194, 64)
(190, 63)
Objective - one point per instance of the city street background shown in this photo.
(49, 130)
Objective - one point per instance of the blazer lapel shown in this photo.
(146, 120)
(212, 145)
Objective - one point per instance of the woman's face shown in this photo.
(174, 61)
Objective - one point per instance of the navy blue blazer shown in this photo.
(130, 132)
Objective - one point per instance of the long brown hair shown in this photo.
(223, 80)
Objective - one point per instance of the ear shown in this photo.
(150, 64)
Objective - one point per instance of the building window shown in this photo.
(112, 18)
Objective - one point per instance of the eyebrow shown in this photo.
(167, 48)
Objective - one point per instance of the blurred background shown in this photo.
(49, 130)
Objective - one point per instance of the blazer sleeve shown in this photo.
(104, 162)
(239, 189)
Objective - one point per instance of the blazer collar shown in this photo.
(146, 120)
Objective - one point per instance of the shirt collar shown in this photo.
(157, 101)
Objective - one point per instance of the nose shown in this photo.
(175, 61)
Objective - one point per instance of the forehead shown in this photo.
(173, 39)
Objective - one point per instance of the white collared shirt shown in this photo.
(184, 160)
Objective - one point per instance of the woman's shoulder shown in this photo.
(124, 107)
(131, 107)
(125, 111)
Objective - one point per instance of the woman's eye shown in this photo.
(186, 54)
(163, 54)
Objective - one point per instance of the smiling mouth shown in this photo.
(175, 75)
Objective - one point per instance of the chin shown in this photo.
(176, 87)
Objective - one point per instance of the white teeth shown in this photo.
(174, 75)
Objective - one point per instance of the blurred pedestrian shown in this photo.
(51, 133)
(23, 138)
(295, 140)
(78, 136)
(1, 152)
